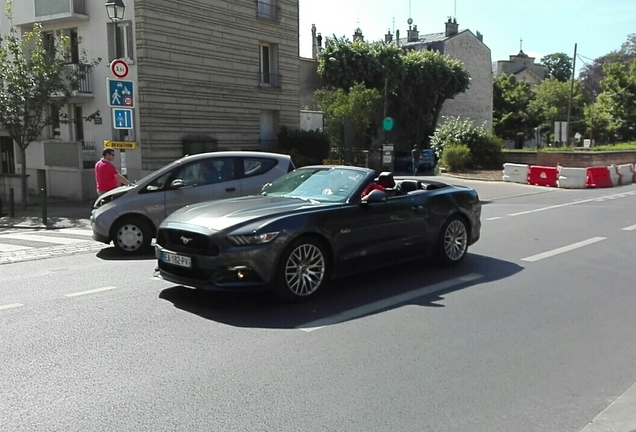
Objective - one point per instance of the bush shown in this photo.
(485, 148)
(456, 157)
(305, 147)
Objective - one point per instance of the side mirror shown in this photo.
(376, 196)
(177, 183)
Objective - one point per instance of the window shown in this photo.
(269, 126)
(78, 123)
(257, 166)
(267, 9)
(54, 113)
(120, 45)
(268, 65)
(207, 171)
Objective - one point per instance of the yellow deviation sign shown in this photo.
(121, 145)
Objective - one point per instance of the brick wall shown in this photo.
(198, 73)
(571, 159)
(476, 103)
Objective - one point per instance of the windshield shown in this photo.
(317, 184)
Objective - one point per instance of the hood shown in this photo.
(221, 214)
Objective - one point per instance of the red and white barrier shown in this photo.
(516, 173)
(542, 176)
(599, 177)
(626, 171)
(572, 178)
(614, 175)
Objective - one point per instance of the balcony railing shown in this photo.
(268, 79)
(267, 10)
(85, 86)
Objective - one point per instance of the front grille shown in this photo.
(188, 242)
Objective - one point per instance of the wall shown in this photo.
(477, 102)
(198, 73)
(571, 159)
(310, 81)
(8, 181)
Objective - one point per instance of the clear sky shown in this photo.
(546, 26)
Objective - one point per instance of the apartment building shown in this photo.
(202, 75)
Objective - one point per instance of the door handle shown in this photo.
(230, 189)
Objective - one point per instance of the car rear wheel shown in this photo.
(302, 271)
(452, 245)
(132, 236)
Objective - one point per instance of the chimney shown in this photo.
(388, 37)
(480, 37)
(412, 34)
(451, 27)
(314, 42)
(358, 35)
(397, 37)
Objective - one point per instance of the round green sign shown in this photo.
(387, 123)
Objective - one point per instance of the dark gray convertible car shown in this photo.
(314, 224)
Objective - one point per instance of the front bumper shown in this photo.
(241, 270)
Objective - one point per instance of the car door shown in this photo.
(376, 232)
(202, 180)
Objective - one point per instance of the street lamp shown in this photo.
(115, 10)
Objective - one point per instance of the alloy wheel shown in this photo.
(455, 240)
(305, 270)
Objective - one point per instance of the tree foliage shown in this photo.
(359, 104)
(38, 83)
(558, 65)
(551, 104)
(511, 118)
(415, 84)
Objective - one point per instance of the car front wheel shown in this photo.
(302, 271)
(452, 245)
(132, 236)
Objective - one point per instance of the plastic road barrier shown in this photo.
(516, 173)
(626, 172)
(572, 178)
(543, 176)
(599, 177)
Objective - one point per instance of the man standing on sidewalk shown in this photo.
(415, 159)
(106, 175)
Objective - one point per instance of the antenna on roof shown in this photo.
(455, 11)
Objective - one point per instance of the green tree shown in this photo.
(414, 84)
(511, 118)
(614, 113)
(559, 66)
(359, 104)
(551, 104)
(38, 83)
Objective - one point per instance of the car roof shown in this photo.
(237, 153)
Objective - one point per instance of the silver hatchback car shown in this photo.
(129, 215)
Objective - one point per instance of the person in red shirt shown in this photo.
(106, 175)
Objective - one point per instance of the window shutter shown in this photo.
(129, 41)
(110, 34)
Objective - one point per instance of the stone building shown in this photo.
(221, 75)
(523, 67)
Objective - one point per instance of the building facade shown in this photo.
(221, 75)
(523, 67)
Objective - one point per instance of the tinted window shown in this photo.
(257, 166)
(206, 171)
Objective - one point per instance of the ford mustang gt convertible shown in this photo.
(314, 224)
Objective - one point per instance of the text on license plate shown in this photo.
(178, 260)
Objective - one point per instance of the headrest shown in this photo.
(385, 179)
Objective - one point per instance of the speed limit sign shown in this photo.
(119, 68)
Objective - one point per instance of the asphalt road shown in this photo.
(534, 332)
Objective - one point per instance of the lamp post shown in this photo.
(115, 10)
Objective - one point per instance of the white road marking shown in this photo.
(630, 228)
(383, 304)
(619, 416)
(564, 249)
(494, 218)
(621, 195)
(42, 238)
(11, 306)
(91, 291)
(12, 248)
(75, 231)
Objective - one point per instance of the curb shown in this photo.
(459, 176)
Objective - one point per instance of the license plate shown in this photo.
(178, 260)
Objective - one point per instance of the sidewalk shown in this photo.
(60, 214)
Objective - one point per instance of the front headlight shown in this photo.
(101, 201)
(252, 239)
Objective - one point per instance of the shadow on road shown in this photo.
(264, 310)
(112, 254)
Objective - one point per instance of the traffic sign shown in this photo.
(120, 93)
(387, 123)
(119, 68)
(121, 145)
(122, 118)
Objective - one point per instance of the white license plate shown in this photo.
(178, 260)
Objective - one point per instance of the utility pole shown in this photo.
(571, 94)
(386, 97)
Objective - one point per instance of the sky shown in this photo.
(541, 27)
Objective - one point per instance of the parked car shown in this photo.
(403, 162)
(129, 215)
(312, 225)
